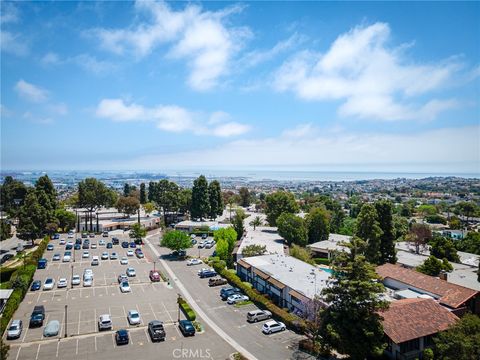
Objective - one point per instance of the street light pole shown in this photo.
(71, 282)
(66, 308)
(154, 266)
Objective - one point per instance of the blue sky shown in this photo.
(360, 86)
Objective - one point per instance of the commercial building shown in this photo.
(111, 219)
(289, 282)
(190, 225)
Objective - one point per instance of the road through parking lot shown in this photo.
(77, 309)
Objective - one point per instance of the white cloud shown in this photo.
(13, 43)
(171, 118)
(92, 64)
(37, 120)
(31, 92)
(51, 58)
(200, 37)
(421, 152)
(374, 81)
(9, 13)
(58, 109)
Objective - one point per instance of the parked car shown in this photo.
(101, 243)
(124, 244)
(236, 298)
(71, 234)
(125, 287)
(156, 330)
(132, 244)
(86, 245)
(69, 247)
(84, 235)
(92, 235)
(78, 241)
(105, 234)
(130, 253)
(67, 258)
(139, 254)
(76, 280)
(228, 291)
(179, 253)
(50, 247)
(124, 261)
(258, 315)
(62, 283)
(122, 278)
(56, 257)
(217, 282)
(77, 246)
(208, 273)
(36, 285)
(104, 322)
(52, 328)
(209, 244)
(201, 244)
(62, 242)
(131, 272)
(105, 255)
(121, 337)
(42, 264)
(95, 261)
(133, 317)
(109, 245)
(194, 261)
(186, 327)
(194, 241)
(48, 284)
(37, 316)
(56, 236)
(14, 330)
(154, 276)
(87, 281)
(204, 236)
(88, 272)
(113, 256)
(94, 245)
(115, 241)
(273, 326)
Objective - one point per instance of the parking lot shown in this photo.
(77, 309)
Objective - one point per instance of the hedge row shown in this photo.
(187, 310)
(259, 299)
(321, 261)
(21, 279)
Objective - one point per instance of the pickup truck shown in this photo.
(216, 282)
(156, 330)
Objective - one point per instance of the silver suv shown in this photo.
(258, 315)
(104, 322)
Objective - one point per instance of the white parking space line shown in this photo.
(153, 312)
(94, 319)
(18, 352)
(38, 298)
(38, 350)
(46, 322)
(171, 319)
(141, 317)
(78, 327)
(76, 351)
(146, 335)
(95, 343)
(25, 335)
(113, 340)
(58, 345)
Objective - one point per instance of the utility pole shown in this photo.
(71, 282)
(154, 266)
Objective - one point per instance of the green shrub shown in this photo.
(187, 310)
(321, 261)
(6, 273)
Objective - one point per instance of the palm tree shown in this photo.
(256, 222)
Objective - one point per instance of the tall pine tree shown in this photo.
(200, 207)
(387, 239)
(368, 229)
(216, 201)
(143, 194)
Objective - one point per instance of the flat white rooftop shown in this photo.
(296, 274)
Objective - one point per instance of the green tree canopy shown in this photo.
(237, 223)
(137, 231)
(471, 243)
(12, 195)
(461, 341)
(352, 323)
(318, 225)
(433, 266)
(244, 196)
(200, 207)
(292, 228)
(32, 218)
(419, 236)
(176, 240)
(93, 194)
(442, 247)
(226, 239)
(5, 230)
(368, 229)
(216, 199)
(143, 194)
(278, 203)
(387, 238)
(149, 207)
(257, 221)
(254, 250)
(46, 194)
(66, 219)
(128, 205)
(301, 253)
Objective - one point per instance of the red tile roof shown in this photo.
(450, 294)
(410, 319)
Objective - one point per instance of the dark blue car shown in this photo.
(124, 244)
(109, 245)
(121, 337)
(186, 327)
(77, 246)
(42, 264)
(68, 247)
(133, 245)
(36, 285)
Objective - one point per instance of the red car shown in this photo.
(154, 276)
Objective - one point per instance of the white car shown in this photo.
(101, 243)
(66, 258)
(70, 234)
(195, 261)
(273, 326)
(133, 317)
(237, 298)
(209, 244)
(130, 253)
(48, 284)
(105, 255)
(93, 246)
(201, 244)
(62, 242)
(85, 255)
(124, 261)
(125, 287)
(113, 256)
(88, 273)
(204, 269)
(131, 272)
(62, 282)
(76, 280)
(87, 281)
